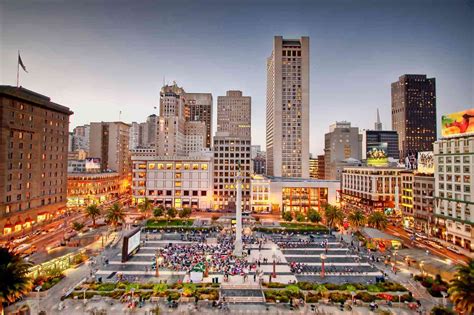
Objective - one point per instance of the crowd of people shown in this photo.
(302, 268)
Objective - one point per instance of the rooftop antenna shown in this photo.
(120, 115)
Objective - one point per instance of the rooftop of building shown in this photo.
(92, 175)
(35, 98)
(294, 179)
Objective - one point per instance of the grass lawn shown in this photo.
(172, 222)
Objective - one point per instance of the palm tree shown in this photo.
(378, 220)
(92, 211)
(460, 289)
(357, 219)
(115, 214)
(333, 215)
(146, 206)
(13, 277)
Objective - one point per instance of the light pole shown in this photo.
(421, 268)
(158, 259)
(353, 297)
(38, 288)
(274, 262)
(206, 263)
(444, 294)
(323, 258)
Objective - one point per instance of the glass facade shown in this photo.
(301, 199)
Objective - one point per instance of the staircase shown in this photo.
(242, 293)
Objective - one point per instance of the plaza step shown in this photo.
(245, 299)
(243, 286)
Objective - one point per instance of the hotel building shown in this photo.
(84, 189)
(33, 158)
(454, 204)
(287, 108)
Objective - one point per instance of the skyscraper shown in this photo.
(342, 147)
(287, 118)
(198, 107)
(414, 113)
(233, 114)
(109, 141)
(232, 144)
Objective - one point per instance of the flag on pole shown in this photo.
(20, 62)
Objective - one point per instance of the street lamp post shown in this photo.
(157, 263)
(323, 258)
(38, 288)
(274, 262)
(444, 294)
(206, 264)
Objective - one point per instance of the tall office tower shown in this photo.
(378, 137)
(321, 167)
(198, 107)
(136, 137)
(80, 138)
(255, 150)
(230, 155)
(33, 158)
(313, 167)
(195, 137)
(170, 132)
(234, 114)
(232, 144)
(149, 131)
(342, 147)
(109, 141)
(287, 134)
(414, 113)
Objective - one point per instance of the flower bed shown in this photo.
(433, 286)
(47, 282)
(163, 223)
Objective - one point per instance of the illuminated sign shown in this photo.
(426, 162)
(458, 124)
(377, 154)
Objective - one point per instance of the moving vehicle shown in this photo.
(25, 249)
(454, 250)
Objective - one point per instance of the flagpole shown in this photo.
(18, 70)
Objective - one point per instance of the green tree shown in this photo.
(460, 289)
(378, 220)
(185, 213)
(14, 278)
(171, 212)
(314, 216)
(333, 215)
(115, 215)
(357, 219)
(441, 310)
(77, 226)
(158, 211)
(287, 216)
(145, 206)
(300, 217)
(92, 211)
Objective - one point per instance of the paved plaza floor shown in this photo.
(341, 264)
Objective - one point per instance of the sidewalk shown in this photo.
(72, 278)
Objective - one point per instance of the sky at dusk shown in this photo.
(102, 57)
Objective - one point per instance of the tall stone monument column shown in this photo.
(238, 246)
